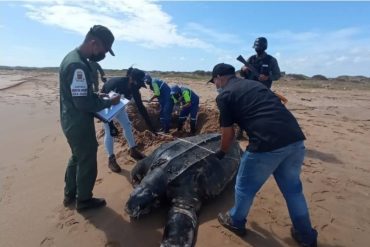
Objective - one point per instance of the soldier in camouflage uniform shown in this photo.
(78, 103)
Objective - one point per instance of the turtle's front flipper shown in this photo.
(140, 170)
(182, 224)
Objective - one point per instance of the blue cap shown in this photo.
(147, 79)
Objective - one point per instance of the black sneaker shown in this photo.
(136, 154)
(297, 237)
(226, 221)
(112, 164)
(68, 201)
(90, 204)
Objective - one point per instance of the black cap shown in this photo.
(222, 69)
(138, 75)
(105, 35)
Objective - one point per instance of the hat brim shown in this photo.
(141, 84)
(211, 80)
(111, 52)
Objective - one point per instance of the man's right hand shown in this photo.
(244, 71)
(220, 154)
(115, 99)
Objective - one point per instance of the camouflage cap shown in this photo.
(105, 35)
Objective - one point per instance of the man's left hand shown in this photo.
(220, 154)
(263, 77)
(102, 95)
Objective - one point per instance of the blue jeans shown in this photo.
(125, 123)
(285, 164)
(166, 104)
(192, 111)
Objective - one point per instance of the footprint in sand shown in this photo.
(47, 242)
(358, 183)
(330, 181)
(337, 132)
(34, 157)
(362, 169)
(5, 196)
(98, 181)
(112, 244)
(44, 139)
(308, 180)
(66, 219)
(324, 215)
(319, 196)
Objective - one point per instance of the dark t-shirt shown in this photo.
(265, 65)
(258, 111)
(121, 85)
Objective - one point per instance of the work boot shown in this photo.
(112, 164)
(90, 204)
(180, 124)
(226, 221)
(298, 238)
(68, 201)
(136, 154)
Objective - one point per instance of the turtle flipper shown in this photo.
(140, 170)
(182, 224)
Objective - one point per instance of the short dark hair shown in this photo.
(137, 75)
(129, 71)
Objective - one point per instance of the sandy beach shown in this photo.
(34, 154)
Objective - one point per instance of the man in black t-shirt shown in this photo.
(275, 147)
(128, 86)
(266, 68)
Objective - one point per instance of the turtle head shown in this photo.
(141, 201)
(147, 194)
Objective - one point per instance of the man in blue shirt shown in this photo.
(161, 91)
(189, 103)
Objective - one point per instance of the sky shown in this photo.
(311, 37)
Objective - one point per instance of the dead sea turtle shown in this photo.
(183, 172)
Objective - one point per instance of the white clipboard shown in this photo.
(107, 114)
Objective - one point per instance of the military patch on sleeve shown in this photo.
(79, 85)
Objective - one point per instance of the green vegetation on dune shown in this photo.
(342, 82)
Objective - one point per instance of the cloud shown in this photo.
(214, 35)
(140, 21)
(333, 52)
